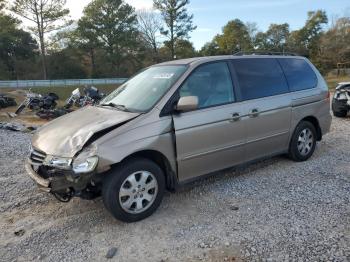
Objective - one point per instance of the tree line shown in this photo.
(112, 39)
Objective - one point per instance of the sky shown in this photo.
(211, 15)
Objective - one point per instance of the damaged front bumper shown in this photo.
(57, 181)
(43, 184)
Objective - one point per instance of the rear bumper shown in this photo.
(43, 184)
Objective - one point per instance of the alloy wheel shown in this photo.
(138, 192)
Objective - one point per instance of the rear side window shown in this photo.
(299, 74)
(260, 77)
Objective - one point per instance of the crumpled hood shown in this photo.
(66, 135)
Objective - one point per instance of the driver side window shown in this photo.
(211, 83)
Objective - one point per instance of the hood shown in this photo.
(67, 135)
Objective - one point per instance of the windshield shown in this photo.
(143, 91)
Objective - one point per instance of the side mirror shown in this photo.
(187, 103)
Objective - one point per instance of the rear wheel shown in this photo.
(303, 142)
(134, 190)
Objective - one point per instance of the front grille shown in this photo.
(37, 157)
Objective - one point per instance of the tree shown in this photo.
(113, 24)
(209, 49)
(179, 23)
(65, 64)
(184, 49)
(274, 39)
(15, 45)
(252, 29)
(306, 40)
(46, 16)
(149, 25)
(334, 45)
(235, 37)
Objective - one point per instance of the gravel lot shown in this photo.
(275, 210)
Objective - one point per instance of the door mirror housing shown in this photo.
(187, 103)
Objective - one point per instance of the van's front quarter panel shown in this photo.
(155, 135)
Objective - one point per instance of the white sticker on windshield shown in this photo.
(163, 76)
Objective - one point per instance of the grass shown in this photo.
(333, 81)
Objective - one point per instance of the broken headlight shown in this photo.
(58, 162)
(86, 161)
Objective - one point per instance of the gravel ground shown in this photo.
(274, 210)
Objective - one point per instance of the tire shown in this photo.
(20, 109)
(130, 201)
(340, 113)
(300, 149)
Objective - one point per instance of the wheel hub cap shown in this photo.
(138, 192)
(305, 141)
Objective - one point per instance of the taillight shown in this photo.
(328, 95)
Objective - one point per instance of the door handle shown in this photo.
(235, 117)
(254, 112)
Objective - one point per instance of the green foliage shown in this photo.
(235, 37)
(45, 14)
(111, 24)
(16, 45)
(111, 40)
(274, 39)
(178, 22)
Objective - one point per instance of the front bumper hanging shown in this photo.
(44, 184)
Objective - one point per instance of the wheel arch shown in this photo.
(314, 121)
(162, 161)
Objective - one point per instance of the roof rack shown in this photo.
(242, 53)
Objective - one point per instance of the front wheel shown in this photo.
(303, 142)
(20, 109)
(134, 190)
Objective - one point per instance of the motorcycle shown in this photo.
(6, 101)
(91, 97)
(36, 101)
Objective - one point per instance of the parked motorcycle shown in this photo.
(341, 100)
(91, 97)
(6, 101)
(36, 101)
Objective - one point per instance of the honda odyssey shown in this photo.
(177, 121)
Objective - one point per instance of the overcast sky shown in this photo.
(211, 15)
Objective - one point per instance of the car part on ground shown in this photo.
(341, 100)
(49, 114)
(17, 127)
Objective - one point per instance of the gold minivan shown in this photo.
(177, 121)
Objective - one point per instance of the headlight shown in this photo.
(86, 161)
(86, 165)
(59, 162)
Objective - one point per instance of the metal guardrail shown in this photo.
(62, 82)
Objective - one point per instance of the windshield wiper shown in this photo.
(120, 107)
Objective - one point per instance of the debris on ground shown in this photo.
(111, 252)
(17, 127)
(19, 233)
